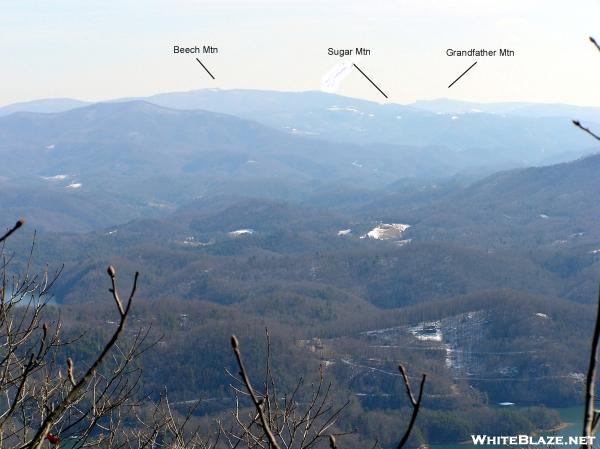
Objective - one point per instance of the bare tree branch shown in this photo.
(257, 404)
(70, 371)
(587, 130)
(577, 122)
(416, 404)
(78, 388)
(19, 223)
(590, 416)
(332, 443)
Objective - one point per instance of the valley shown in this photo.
(461, 244)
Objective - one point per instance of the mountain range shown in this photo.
(141, 157)
(506, 132)
(459, 238)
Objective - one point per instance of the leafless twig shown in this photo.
(295, 420)
(577, 122)
(587, 130)
(332, 442)
(415, 402)
(19, 223)
(257, 404)
(592, 415)
(80, 386)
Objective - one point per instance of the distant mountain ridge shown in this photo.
(244, 101)
(448, 106)
(141, 136)
(49, 105)
(148, 157)
(487, 138)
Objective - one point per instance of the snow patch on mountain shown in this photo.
(429, 331)
(385, 231)
(241, 232)
(348, 109)
(55, 177)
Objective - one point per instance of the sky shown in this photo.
(97, 50)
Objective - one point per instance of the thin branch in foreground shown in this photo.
(257, 404)
(416, 403)
(577, 122)
(590, 416)
(38, 439)
(19, 223)
(332, 444)
(70, 371)
(587, 130)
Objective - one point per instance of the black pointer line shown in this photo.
(207, 71)
(376, 87)
(462, 75)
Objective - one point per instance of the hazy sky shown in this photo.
(100, 49)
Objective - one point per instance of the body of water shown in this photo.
(571, 417)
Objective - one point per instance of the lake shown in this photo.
(570, 416)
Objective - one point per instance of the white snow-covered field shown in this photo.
(386, 231)
(241, 232)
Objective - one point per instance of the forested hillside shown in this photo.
(356, 256)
